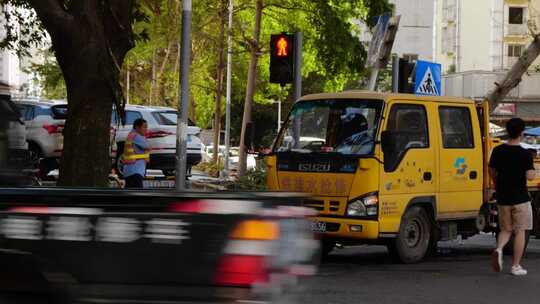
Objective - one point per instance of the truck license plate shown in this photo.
(318, 226)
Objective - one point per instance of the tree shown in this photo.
(50, 76)
(250, 87)
(90, 40)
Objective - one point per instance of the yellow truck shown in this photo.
(399, 170)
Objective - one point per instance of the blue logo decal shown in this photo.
(460, 165)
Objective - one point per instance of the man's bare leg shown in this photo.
(503, 238)
(519, 247)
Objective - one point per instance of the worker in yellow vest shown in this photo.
(136, 154)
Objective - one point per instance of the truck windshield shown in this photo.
(345, 126)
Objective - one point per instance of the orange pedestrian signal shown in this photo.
(281, 46)
(282, 52)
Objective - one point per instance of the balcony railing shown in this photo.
(516, 30)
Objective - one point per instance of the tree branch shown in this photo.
(52, 14)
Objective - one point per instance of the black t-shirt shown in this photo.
(511, 163)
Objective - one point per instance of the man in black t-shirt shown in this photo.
(510, 167)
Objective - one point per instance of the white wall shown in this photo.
(474, 35)
(415, 33)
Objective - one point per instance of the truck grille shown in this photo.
(325, 206)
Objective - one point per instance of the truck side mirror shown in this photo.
(387, 142)
(249, 136)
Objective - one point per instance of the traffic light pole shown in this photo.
(297, 84)
(181, 126)
(279, 109)
(298, 66)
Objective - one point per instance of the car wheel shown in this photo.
(413, 240)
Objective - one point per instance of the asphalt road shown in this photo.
(460, 273)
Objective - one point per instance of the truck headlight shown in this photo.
(356, 208)
(372, 205)
(365, 206)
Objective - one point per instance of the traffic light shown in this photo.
(282, 58)
(406, 76)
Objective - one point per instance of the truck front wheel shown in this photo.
(412, 242)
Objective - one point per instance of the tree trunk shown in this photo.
(250, 88)
(90, 40)
(153, 80)
(513, 77)
(160, 92)
(219, 82)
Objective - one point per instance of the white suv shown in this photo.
(44, 122)
(44, 125)
(161, 136)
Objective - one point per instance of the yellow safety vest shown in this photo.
(130, 156)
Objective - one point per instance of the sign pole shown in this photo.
(395, 74)
(181, 127)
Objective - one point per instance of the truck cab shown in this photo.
(396, 169)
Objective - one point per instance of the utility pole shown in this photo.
(181, 127)
(229, 84)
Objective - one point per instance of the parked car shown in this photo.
(161, 135)
(44, 122)
(208, 154)
(16, 164)
(251, 162)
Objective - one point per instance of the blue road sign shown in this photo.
(428, 78)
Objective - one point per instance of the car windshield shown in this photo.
(342, 126)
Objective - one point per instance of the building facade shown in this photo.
(13, 70)
(478, 41)
(415, 36)
(487, 35)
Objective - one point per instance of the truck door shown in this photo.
(409, 163)
(460, 165)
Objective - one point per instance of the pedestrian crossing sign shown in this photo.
(427, 78)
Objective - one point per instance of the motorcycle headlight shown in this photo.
(356, 208)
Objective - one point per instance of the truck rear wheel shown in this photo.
(412, 242)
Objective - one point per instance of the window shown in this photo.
(42, 111)
(131, 116)
(27, 112)
(515, 50)
(59, 112)
(168, 118)
(341, 126)
(407, 129)
(515, 15)
(456, 128)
